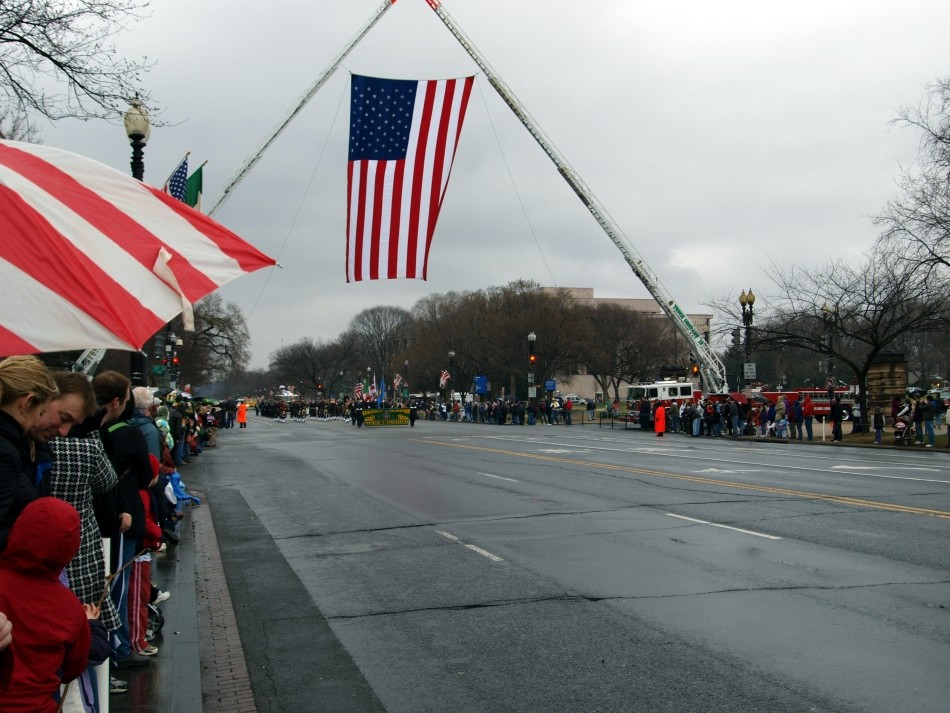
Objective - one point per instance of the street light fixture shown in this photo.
(746, 301)
(451, 372)
(138, 129)
(532, 361)
(829, 316)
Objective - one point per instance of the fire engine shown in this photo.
(820, 399)
(663, 390)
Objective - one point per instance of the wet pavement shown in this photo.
(200, 665)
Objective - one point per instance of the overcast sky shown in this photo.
(721, 136)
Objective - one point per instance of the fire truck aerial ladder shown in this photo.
(712, 370)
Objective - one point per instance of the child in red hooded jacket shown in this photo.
(51, 629)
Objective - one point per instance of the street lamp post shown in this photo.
(451, 372)
(138, 129)
(746, 301)
(405, 378)
(829, 316)
(532, 360)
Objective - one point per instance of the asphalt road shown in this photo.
(474, 568)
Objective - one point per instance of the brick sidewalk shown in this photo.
(226, 687)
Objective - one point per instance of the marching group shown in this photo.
(82, 462)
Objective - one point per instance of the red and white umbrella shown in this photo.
(91, 257)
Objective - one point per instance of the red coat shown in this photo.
(50, 628)
(659, 419)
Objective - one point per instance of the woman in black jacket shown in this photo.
(26, 386)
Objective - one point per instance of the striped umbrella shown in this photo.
(91, 257)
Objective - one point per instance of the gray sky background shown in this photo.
(722, 137)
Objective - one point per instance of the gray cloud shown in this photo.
(720, 136)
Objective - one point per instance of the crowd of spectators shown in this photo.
(81, 463)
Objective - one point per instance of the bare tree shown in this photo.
(315, 365)
(848, 312)
(15, 126)
(380, 334)
(619, 345)
(918, 222)
(219, 348)
(57, 58)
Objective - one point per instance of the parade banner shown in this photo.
(386, 417)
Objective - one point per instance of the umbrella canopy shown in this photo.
(739, 397)
(92, 257)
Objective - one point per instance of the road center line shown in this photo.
(725, 527)
(473, 548)
(827, 497)
(672, 451)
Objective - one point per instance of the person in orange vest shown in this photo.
(242, 414)
(659, 418)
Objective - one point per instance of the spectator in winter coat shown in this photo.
(808, 413)
(52, 629)
(25, 388)
(797, 418)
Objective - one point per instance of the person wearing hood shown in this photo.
(53, 630)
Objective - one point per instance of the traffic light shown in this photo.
(532, 359)
(736, 336)
(175, 361)
(695, 369)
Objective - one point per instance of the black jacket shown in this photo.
(16, 488)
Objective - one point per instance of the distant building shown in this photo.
(584, 385)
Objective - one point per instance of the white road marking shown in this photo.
(498, 477)
(563, 450)
(485, 553)
(777, 454)
(473, 548)
(725, 527)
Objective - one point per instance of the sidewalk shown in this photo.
(200, 665)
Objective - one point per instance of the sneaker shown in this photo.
(929, 446)
(161, 597)
(149, 651)
(117, 685)
(133, 660)
(149, 634)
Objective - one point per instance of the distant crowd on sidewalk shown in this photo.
(81, 463)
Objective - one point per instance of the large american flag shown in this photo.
(358, 390)
(403, 137)
(176, 184)
(444, 378)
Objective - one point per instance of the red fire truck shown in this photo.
(820, 399)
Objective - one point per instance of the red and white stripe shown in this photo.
(393, 205)
(92, 257)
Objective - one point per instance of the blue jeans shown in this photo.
(929, 428)
(121, 644)
(697, 422)
(808, 428)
